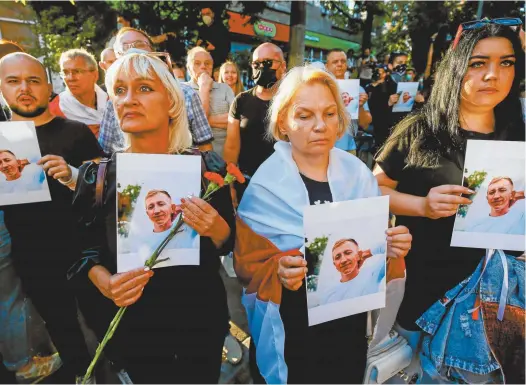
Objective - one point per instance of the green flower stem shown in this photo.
(117, 319)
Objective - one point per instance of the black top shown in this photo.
(179, 300)
(251, 112)
(329, 353)
(383, 117)
(216, 34)
(433, 266)
(44, 233)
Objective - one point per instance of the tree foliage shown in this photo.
(63, 26)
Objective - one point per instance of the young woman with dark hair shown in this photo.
(476, 96)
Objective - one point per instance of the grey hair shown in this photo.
(72, 54)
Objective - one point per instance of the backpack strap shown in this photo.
(101, 181)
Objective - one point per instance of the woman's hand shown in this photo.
(291, 271)
(123, 289)
(204, 219)
(393, 99)
(398, 242)
(442, 201)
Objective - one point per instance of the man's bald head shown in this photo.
(269, 51)
(24, 85)
(23, 59)
(107, 57)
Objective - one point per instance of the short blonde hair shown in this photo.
(289, 86)
(72, 54)
(150, 67)
(239, 84)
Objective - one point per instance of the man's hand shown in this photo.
(204, 81)
(56, 167)
(363, 98)
(210, 47)
(393, 99)
(291, 271)
(419, 98)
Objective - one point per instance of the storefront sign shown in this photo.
(264, 28)
(317, 40)
(311, 38)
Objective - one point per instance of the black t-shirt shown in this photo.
(433, 266)
(251, 112)
(44, 233)
(329, 353)
(216, 34)
(384, 119)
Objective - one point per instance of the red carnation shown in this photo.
(232, 169)
(215, 178)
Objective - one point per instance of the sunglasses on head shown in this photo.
(476, 24)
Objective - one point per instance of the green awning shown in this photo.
(317, 40)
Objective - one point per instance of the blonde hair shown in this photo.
(290, 84)
(238, 87)
(150, 67)
(72, 54)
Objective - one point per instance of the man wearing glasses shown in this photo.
(246, 142)
(111, 137)
(83, 100)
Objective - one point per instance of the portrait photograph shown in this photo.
(346, 243)
(350, 93)
(495, 219)
(149, 192)
(407, 92)
(22, 179)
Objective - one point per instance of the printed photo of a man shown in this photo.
(358, 276)
(20, 175)
(505, 214)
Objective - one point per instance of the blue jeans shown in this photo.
(19, 323)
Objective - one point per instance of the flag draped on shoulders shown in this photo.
(269, 226)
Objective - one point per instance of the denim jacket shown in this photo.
(460, 333)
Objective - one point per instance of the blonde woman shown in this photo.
(173, 332)
(306, 118)
(229, 74)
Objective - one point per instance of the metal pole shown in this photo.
(479, 9)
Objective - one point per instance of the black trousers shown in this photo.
(54, 298)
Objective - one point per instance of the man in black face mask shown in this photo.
(383, 97)
(246, 142)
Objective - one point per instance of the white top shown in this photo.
(32, 179)
(510, 223)
(368, 281)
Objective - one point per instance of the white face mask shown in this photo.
(207, 19)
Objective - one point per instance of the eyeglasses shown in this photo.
(74, 72)
(476, 24)
(139, 44)
(264, 63)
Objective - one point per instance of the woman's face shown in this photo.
(490, 73)
(142, 105)
(311, 122)
(230, 75)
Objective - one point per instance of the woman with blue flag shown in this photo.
(307, 116)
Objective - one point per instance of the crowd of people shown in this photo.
(293, 140)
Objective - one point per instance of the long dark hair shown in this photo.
(434, 130)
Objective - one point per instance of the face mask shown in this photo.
(265, 77)
(408, 78)
(119, 26)
(400, 69)
(207, 20)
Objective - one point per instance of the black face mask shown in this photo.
(399, 72)
(264, 77)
